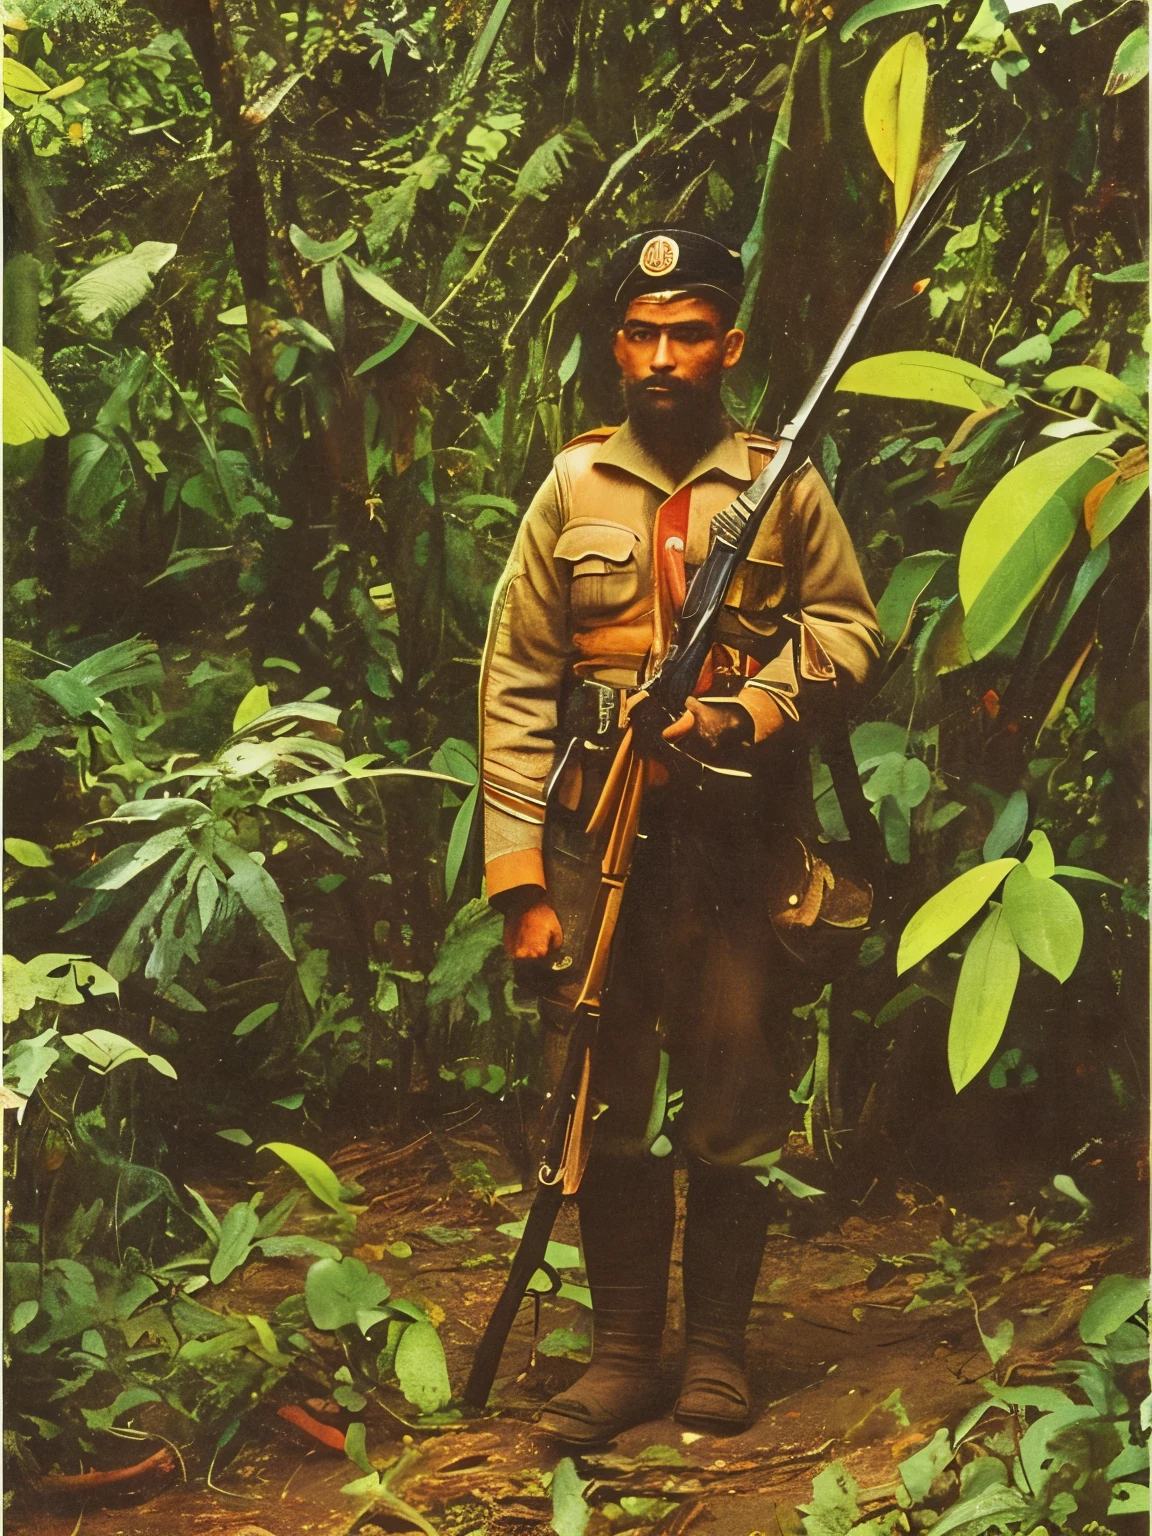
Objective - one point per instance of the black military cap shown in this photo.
(666, 258)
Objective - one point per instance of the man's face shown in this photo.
(672, 356)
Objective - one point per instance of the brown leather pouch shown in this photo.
(820, 903)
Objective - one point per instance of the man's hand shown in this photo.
(709, 728)
(532, 932)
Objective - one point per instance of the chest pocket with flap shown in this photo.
(604, 568)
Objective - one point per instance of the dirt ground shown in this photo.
(841, 1368)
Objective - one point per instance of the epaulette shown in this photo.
(593, 435)
(760, 440)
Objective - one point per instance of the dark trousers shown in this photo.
(698, 972)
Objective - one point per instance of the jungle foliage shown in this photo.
(298, 305)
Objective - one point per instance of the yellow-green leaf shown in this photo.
(894, 114)
(984, 995)
(31, 410)
(68, 88)
(1045, 922)
(1116, 505)
(1014, 502)
(314, 1171)
(946, 912)
(925, 376)
(20, 78)
(255, 703)
(1027, 565)
(1115, 394)
(384, 293)
(34, 855)
(1130, 65)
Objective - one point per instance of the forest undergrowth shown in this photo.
(298, 306)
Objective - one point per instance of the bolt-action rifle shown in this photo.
(587, 871)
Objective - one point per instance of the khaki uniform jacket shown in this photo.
(591, 590)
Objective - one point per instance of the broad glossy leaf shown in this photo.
(945, 913)
(1116, 505)
(933, 376)
(31, 855)
(1136, 273)
(385, 294)
(907, 584)
(875, 9)
(570, 1514)
(258, 891)
(1114, 393)
(255, 703)
(894, 114)
(106, 293)
(313, 1170)
(1113, 1302)
(320, 250)
(1023, 570)
(984, 995)
(253, 1020)
(336, 1290)
(1130, 65)
(1041, 861)
(236, 1233)
(920, 1470)
(874, 739)
(1045, 922)
(21, 78)
(1013, 503)
(421, 1369)
(1008, 828)
(905, 779)
(31, 410)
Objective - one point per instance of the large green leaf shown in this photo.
(946, 912)
(31, 410)
(1114, 393)
(1045, 922)
(1115, 506)
(984, 995)
(236, 1233)
(105, 294)
(1014, 502)
(421, 1368)
(876, 9)
(338, 1291)
(1113, 1302)
(1027, 565)
(932, 376)
(313, 1170)
(907, 584)
(894, 101)
(1130, 65)
(257, 890)
(570, 1513)
(385, 294)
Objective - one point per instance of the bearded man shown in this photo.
(696, 1017)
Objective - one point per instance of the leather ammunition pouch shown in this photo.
(819, 902)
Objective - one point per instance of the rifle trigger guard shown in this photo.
(554, 1281)
(547, 1177)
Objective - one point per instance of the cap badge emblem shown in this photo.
(659, 256)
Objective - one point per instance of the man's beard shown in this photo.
(682, 425)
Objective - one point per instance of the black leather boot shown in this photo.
(627, 1218)
(724, 1237)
